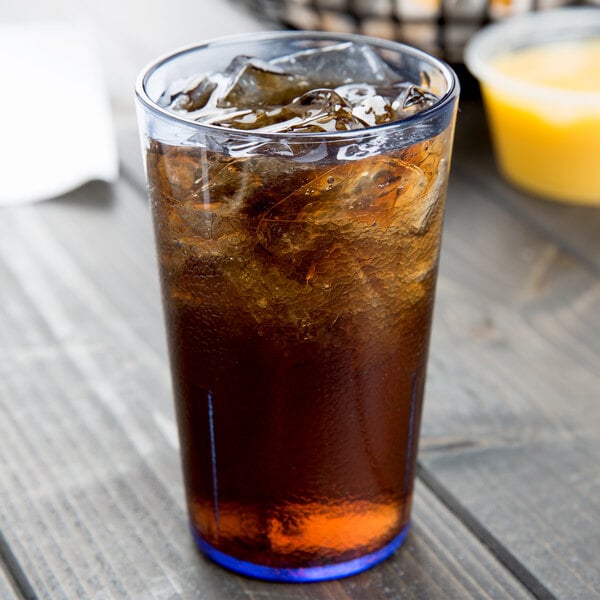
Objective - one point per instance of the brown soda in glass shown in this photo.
(298, 297)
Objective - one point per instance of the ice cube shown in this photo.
(255, 83)
(193, 98)
(412, 100)
(172, 169)
(337, 64)
(321, 109)
(318, 110)
(368, 106)
(351, 196)
(355, 93)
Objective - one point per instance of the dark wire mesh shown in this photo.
(441, 27)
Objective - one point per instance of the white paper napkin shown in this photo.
(56, 130)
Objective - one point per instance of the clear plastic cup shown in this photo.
(298, 274)
(544, 112)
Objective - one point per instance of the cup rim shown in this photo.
(484, 45)
(449, 75)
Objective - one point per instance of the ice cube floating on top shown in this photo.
(341, 87)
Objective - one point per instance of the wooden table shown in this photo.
(91, 501)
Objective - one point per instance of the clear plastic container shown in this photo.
(298, 272)
(540, 80)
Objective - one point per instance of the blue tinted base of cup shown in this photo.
(299, 575)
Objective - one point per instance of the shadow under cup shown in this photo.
(298, 274)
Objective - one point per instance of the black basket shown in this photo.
(441, 27)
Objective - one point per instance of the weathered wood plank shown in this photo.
(90, 495)
(515, 346)
(537, 505)
(512, 417)
(8, 589)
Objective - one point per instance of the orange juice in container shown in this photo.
(540, 79)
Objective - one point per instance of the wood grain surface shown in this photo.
(8, 590)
